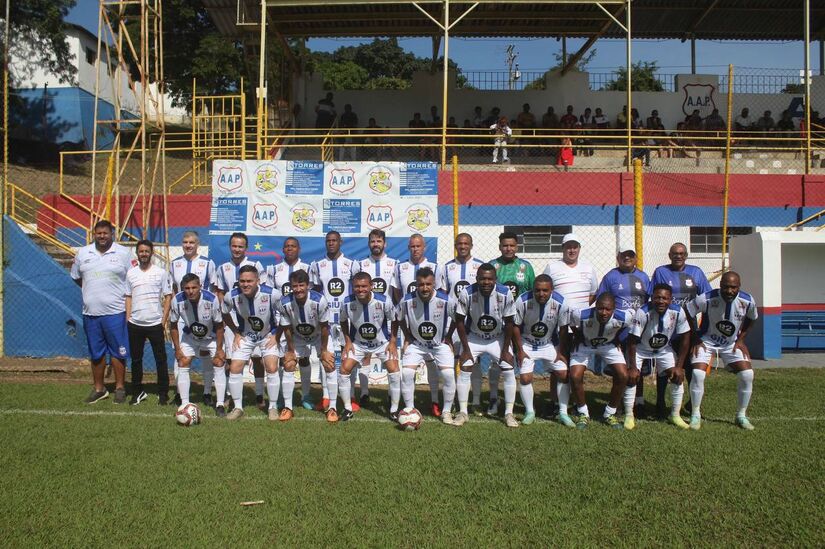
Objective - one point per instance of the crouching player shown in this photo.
(655, 326)
(595, 335)
(539, 313)
(488, 310)
(366, 318)
(727, 314)
(424, 316)
(196, 327)
(254, 306)
(305, 324)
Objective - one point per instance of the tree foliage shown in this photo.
(643, 78)
(38, 35)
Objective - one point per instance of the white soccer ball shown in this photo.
(410, 420)
(188, 415)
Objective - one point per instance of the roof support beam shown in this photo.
(698, 21)
(571, 62)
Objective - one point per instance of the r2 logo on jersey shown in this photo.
(486, 323)
(256, 323)
(286, 289)
(459, 286)
(335, 287)
(379, 286)
(513, 288)
(427, 330)
(726, 328)
(596, 341)
(539, 330)
(657, 341)
(368, 332)
(304, 329)
(198, 329)
(412, 287)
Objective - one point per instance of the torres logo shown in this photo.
(266, 177)
(380, 180)
(342, 181)
(698, 96)
(303, 216)
(265, 215)
(418, 217)
(229, 178)
(379, 216)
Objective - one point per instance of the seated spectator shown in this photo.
(493, 117)
(743, 122)
(347, 122)
(374, 142)
(653, 121)
(635, 119)
(478, 118)
(569, 119)
(416, 123)
(714, 122)
(602, 126)
(434, 116)
(417, 127)
(765, 125)
(526, 121)
(684, 142)
(549, 120)
(785, 123)
(565, 154)
(588, 124)
(621, 118)
(641, 148)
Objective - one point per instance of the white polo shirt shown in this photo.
(147, 290)
(104, 278)
(575, 284)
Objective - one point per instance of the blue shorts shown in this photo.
(107, 335)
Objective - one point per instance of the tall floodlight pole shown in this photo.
(6, 42)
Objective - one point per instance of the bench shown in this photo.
(803, 329)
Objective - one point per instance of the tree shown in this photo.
(794, 89)
(579, 66)
(643, 78)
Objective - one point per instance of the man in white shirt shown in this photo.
(100, 271)
(148, 298)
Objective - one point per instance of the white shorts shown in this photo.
(547, 355)
(586, 357)
(663, 362)
(491, 347)
(728, 355)
(441, 354)
(305, 349)
(248, 348)
(358, 352)
(192, 346)
(228, 339)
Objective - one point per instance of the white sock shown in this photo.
(220, 386)
(306, 380)
(583, 410)
(208, 375)
(331, 387)
(395, 390)
(493, 375)
(563, 394)
(697, 391)
(353, 379)
(744, 389)
(526, 392)
(509, 376)
(432, 379)
(175, 368)
(345, 390)
(259, 385)
(677, 392)
(273, 387)
(288, 387)
(183, 385)
(609, 411)
(475, 383)
(629, 398)
(408, 387)
(640, 392)
(448, 378)
(236, 389)
(463, 389)
(363, 382)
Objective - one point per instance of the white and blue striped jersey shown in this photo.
(596, 334)
(256, 317)
(382, 272)
(428, 321)
(201, 266)
(334, 277)
(306, 318)
(369, 324)
(485, 315)
(277, 276)
(721, 321)
(228, 274)
(655, 331)
(405, 275)
(539, 321)
(458, 276)
(196, 318)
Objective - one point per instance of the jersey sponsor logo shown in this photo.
(256, 323)
(459, 287)
(726, 327)
(513, 287)
(657, 341)
(265, 215)
(335, 287)
(427, 331)
(596, 341)
(418, 217)
(305, 329)
(303, 216)
(198, 329)
(486, 323)
(286, 289)
(380, 180)
(379, 286)
(379, 216)
(367, 331)
(411, 288)
(266, 177)
(229, 178)
(539, 330)
(342, 181)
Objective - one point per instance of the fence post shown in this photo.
(455, 196)
(727, 172)
(638, 212)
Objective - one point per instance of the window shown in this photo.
(539, 239)
(90, 56)
(708, 240)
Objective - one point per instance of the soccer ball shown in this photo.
(188, 415)
(409, 420)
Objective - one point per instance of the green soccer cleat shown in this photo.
(744, 423)
(566, 420)
(629, 422)
(695, 423)
(582, 422)
(678, 422)
(529, 418)
(613, 422)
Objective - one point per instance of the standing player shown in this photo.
(196, 328)
(331, 277)
(727, 315)
(458, 274)
(227, 279)
(424, 316)
(305, 325)
(366, 319)
(191, 262)
(382, 275)
(488, 309)
(518, 275)
(278, 277)
(654, 328)
(539, 313)
(406, 275)
(595, 334)
(254, 308)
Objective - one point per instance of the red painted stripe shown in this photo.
(803, 307)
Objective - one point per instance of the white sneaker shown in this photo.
(460, 419)
(272, 414)
(235, 414)
(447, 418)
(510, 420)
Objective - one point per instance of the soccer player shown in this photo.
(424, 316)
(191, 262)
(406, 276)
(595, 334)
(148, 298)
(381, 269)
(653, 329)
(366, 321)
(227, 279)
(518, 275)
(458, 274)
(254, 307)
(278, 277)
(539, 313)
(196, 328)
(331, 277)
(305, 323)
(727, 315)
(100, 271)
(488, 310)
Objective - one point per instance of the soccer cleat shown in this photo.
(529, 418)
(272, 414)
(286, 414)
(355, 407)
(695, 423)
(476, 410)
(323, 405)
(582, 422)
(177, 400)
(565, 420)
(260, 403)
(492, 410)
(678, 422)
(460, 419)
(306, 402)
(220, 411)
(447, 418)
(364, 401)
(96, 396)
(552, 410)
(163, 399)
(613, 422)
(138, 398)
(436, 410)
(120, 396)
(393, 416)
(510, 421)
(235, 414)
(207, 400)
(744, 423)
(346, 415)
(629, 422)
(332, 415)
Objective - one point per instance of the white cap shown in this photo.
(570, 237)
(625, 249)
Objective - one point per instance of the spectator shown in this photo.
(653, 121)
(642, 147)
(714, 122)
(588, 124)
(569, 119)
(785, 123)
(525, 118)
(348, 123)
(743, 122)
(493, 117)
(765, 124)
(435, 120)
(478, 118)
(418, 128)
(502, 134)
(564, 156)
(374, 140)
(693, 122)
(621, 118)
(549, 120)
(635, 119)
(602, 126)
(325, 112)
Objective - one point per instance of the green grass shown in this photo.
(131, 477)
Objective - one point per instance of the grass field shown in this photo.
(78, 475)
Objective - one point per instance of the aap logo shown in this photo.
(265, 215)
(379, 216)
(229, 178)
(699, 97)
(342, 181)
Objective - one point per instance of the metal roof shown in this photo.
(677, 19)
